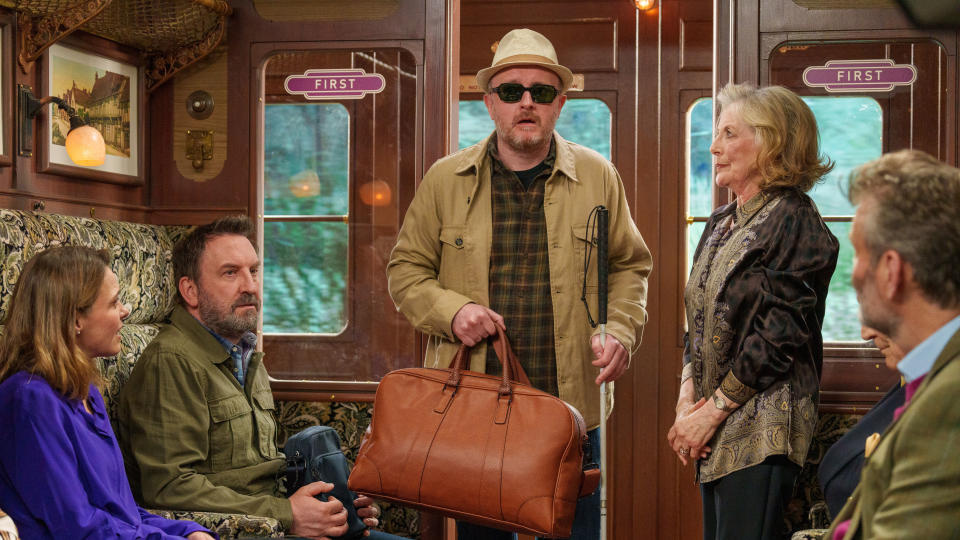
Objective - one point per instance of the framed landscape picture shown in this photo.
(107, 92)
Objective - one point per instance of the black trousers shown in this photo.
(749, 504)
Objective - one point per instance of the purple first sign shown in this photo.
(860, 75)
(334, 84)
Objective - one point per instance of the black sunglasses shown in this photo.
(513, 92)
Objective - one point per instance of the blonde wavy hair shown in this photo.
(786, 131)
(39, 334)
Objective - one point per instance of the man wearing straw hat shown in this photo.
(497, 235)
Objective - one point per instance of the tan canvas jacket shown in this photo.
(442, 257)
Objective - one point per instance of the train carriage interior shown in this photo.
(318, 119)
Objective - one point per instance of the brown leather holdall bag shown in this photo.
(476, 447)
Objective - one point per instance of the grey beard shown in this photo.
(523, 144)
(230, 325)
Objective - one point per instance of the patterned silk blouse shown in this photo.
(755, 303)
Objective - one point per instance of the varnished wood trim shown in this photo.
(72, 200)
(326, 391)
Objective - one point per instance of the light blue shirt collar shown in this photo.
(919, 361)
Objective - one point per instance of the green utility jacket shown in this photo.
(442, 258)
(192, 438)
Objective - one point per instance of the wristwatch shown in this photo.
(720, 403)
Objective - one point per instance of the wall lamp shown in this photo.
(84, 143)
(645, 5)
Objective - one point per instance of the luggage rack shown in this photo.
(170, 34)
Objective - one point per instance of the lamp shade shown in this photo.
(644, 5)
(305, 183)
(375, 193)
(85, 146)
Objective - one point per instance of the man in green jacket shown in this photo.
(906, 240)
(497, 234)
(196, 417)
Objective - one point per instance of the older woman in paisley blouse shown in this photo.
(747, 407)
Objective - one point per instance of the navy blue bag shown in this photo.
(314, 454)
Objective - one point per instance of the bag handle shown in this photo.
(512, 370)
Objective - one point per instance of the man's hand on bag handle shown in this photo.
(313, 518)
(612, 358)
(474, 322)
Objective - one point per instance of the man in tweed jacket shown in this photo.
(906, 238)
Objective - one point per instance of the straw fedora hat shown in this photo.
(524, 47)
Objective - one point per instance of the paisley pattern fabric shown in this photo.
(141, 256)
(755, 302)
(115, 370)
(229, 525)
(350, 420)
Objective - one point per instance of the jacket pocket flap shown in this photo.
(225, 409)
(264, 399)
(580, 232)
(452, 236)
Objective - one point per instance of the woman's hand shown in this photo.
(199, 535)
(684, 451)
(694, 430)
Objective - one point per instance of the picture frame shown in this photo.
(7, 118)
(106, 88)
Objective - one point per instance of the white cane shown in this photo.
(603, 438)
(602, 320)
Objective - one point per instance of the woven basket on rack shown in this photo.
(155, 25)
(170, 34)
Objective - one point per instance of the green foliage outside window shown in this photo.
(306, 173)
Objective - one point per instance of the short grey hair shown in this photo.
(916, 201)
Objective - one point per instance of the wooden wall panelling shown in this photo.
(642, 127)
(787, 15)
(325, 10)
(686, 75)
(7, 94)
(210, 75)
(177, 199)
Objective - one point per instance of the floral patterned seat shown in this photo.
(142, 261)
(807, 513)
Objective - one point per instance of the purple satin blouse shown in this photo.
(61, 472)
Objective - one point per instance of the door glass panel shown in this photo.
(306, 159)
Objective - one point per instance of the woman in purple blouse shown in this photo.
(61, 472)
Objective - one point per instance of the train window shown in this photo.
(335, 173)
(305, 214)
(850, 134)
(699, 172)
(585, 121)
